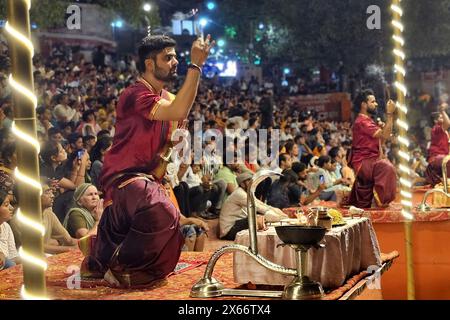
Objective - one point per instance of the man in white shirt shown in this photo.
(63, 112)
(203, 190)
(234, 217)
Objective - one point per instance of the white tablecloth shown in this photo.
(349, 250)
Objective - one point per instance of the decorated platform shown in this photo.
(64, 284)
(430, 239)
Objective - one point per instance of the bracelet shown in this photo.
(194, 66)
(389, 113)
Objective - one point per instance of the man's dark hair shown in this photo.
(103, 133)
(7, 152)
(87, 138)
(333, 153)
(363, 96)
(65, 125)
(297, 138)
(48, 151)
(150, 47)
(87, 113)
(52, 131)
(323, 160)
(289, 146)
(288, 176)
(40, 111)
(59, 98)
(251, 121)
(298, 167)
(73, 137)
(282, 157)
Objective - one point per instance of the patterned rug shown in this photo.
(63, 282)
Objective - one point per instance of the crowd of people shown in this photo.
(76, 126)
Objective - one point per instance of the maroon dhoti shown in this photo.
(375, 178)
(433, 174)
(138, 238)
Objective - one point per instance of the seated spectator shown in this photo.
(76, 169)
(285, 192)
(89, 142)
(291, 148)
(8, 162)
(286, 134)
(289, 191)
(228, 174)
(194, 232)
(203, 190)
(97, 155)
(75, 142)
(338, 154)
(285, 162)
(85, 213)
(103, 133)
(55, 136)
(419, 163)
(44, 116)
(63, 112)
(323, 176)
(8, 251)
(52, 168)
(234, 217)
(89, 126)
(174, 172)
(6, 116)
(336, 176)
(67, 130)
(56, 238)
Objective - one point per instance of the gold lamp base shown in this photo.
(207, 288)
(301, 288)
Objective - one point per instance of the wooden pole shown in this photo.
(27, 171)
(402, 125)
(410, 289)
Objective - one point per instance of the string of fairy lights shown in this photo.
(32, 259)
(402, 124)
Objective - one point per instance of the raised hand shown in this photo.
(391, 106)
(98, 211)
(200, 50)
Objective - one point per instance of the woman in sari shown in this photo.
(83, 216)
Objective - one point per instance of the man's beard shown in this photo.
(162, 76)
(372, 111)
